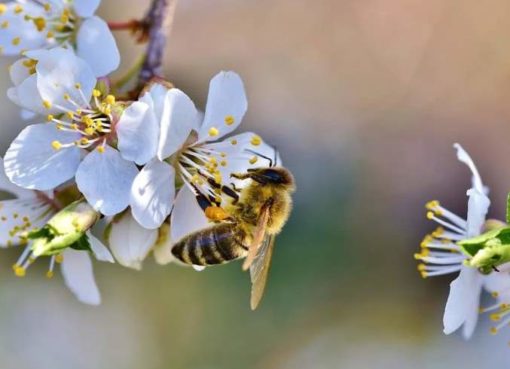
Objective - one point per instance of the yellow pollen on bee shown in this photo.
(49, 274)
(96, 93)
(100, 149)
(253, 159)
(59, 258)
(5, 24)
(3, 8)
(109, 99)
(229, 120)
(15, 41)
(256, 140)
(56, 145)
(18, 9)
(213, 131)
(46, 104)
(233, 142)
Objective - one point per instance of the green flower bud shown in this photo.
(66, 229)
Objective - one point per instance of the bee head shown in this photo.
(274, 176)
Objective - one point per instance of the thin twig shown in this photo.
(159, 21)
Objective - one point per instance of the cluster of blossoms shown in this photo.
(475, 249)
(97, 174)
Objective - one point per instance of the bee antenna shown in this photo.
(262, 156)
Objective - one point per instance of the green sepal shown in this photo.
(82, 244)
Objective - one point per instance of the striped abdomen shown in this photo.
(215, 245)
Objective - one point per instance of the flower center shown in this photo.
(93, 121)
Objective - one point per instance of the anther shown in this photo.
(56, 145)
(229, 120)
(46, 104)
(256, 140)
(213, 131)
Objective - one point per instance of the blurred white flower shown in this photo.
(80, 120)
(188, 151)
(441, 255)
(32, 24)
(31, 210)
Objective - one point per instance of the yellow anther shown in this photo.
(223, 154)
(438, 232)
(50, 117)
(233, 142)
(213, 131)
(109, 99)
(49, 274)
(74, 126)
(16, 40)
(60, 126)
(253, 159)
(18, 9)
(493, 330)
(47, 7)
(70, 114)
(107, 110)
(77, 86)
(495, 294)
(87, 120)
(430, 215)
(5, 24)
(84, 141)
(50, 34)
(223, 163)
(421, 267)
(100, 149)
(56, 145)
(229, 120)
(19, 271)
(46, 104)
(40, 23)
(64, 18)
(96, 93)
(481, 310)
(256, 140)
(3, 8)
(217, 178)
(90, 131)
(67, 96)
(29, 63)
(495, 317)
(59, 258)
(432, 205)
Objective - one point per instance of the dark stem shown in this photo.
(159, 21)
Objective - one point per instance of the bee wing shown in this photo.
(258, 238)
(259, 271)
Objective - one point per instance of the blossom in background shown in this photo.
(31, 210)
(441, 255)
(80, 120)
(30, 25)
(189, 151)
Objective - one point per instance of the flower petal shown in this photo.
(464, 157)
(178, 120)
(163, 247)
(79, 277)
(138, 133)
(31, 161)
(226, 106)
(130, 242)
(7, 186)
(187, 216)
(152, 194)
(478, 206)
(105, 180)
(86, 8)
(99, 250)
(97, 46)
(155, 98)
(26, 95)
(462, 307)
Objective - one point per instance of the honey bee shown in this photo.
(245, 227)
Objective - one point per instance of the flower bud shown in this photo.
(65, 229)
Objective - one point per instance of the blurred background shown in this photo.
(364, 100)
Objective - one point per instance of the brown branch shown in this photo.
(158, 21)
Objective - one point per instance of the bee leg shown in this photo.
(240, 176)
(225, 189)
(202, 200)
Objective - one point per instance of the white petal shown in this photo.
(79, 277)
(249, 151)
(7, 186)
(462, 307)
(163, 247)
(152, 194)
(478, 206)
(464, 157)
(58, 72)
(130, 242)
(105, 180)
(31, 161)
(155, 98)
(18, 71)
(86, 8)
(99, 250)
(16, 214)
(178, 120)
(226, 106)
(26, 95)
(198, 268)
(96, 45)
(138, 133)
(187, 216)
